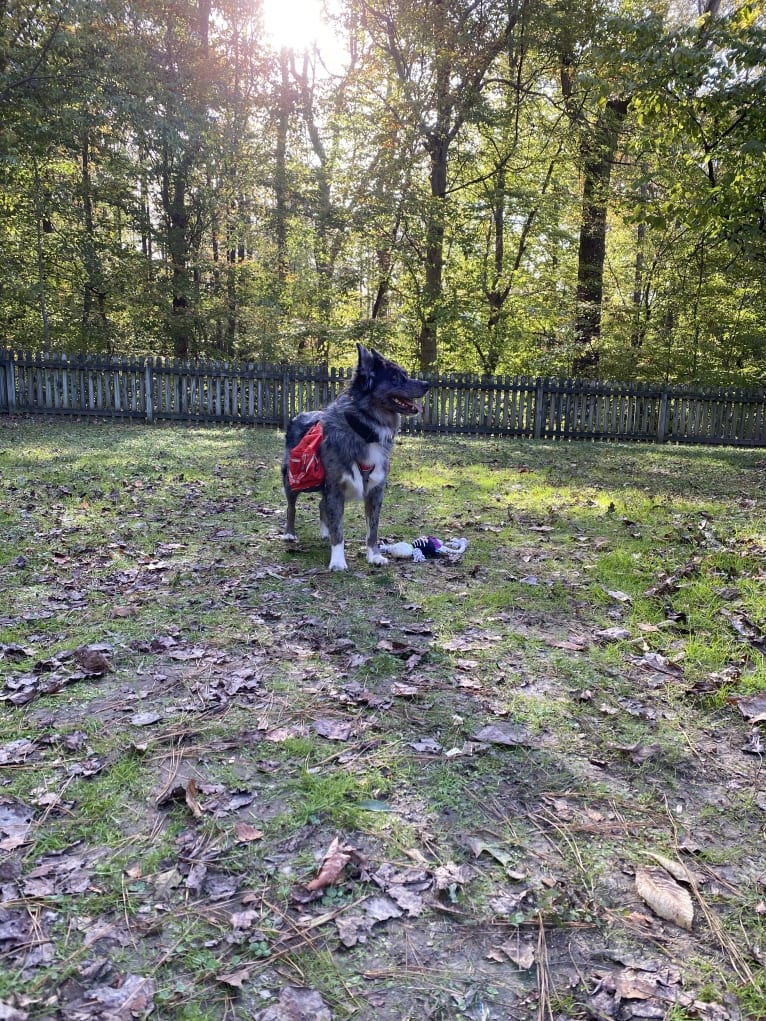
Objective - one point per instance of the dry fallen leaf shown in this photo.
(295, 1002)
(244, 832)
(243, 920)
(335, 860)
(508, 734)
(656, 661)
(639, 753)
(612, 634)
(192, 801)
(15, 823)
(664, 896)
(380, 909)
(428, 745)
(92, 661)
(333, 730)
(451, 874)
(753, 707)
(9, 1013)
(522, 954)
(133, 997)
(402, 690)
(353, 929)
(507, 904)
(236, 979)
(676, 868)
(16, 751)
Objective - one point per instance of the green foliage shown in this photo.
(175, 185)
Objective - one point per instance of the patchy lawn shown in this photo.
(525, 784)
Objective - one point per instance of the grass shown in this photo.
(248, 687)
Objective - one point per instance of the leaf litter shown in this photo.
(497, 900)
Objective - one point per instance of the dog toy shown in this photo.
(426, 547)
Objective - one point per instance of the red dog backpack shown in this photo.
(304, 467)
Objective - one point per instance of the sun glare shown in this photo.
(295, 24)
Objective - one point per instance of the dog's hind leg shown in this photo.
(324, 529)
(292, 499)
(373, 501)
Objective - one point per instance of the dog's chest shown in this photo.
(376, 461)
(370, 471)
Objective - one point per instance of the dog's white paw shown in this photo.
(376, 557)
(338, 558)
(289, 537)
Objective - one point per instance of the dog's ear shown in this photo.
(365, 367)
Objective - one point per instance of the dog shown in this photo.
(357, 438)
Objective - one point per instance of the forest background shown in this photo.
(499, 186)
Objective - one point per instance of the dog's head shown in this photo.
(387, 384)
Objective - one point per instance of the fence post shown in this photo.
(539, 409)
(662, 421)
(9, 378)
(65, 381)
(285, 399)
(148, 399)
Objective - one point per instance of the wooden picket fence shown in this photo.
(154, 389)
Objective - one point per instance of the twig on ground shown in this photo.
(544, 1010)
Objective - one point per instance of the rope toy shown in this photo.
(427, 547)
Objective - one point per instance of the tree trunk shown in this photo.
(89, 254)
(385, 265)
(41, 280)
(598, 150)
(177, 218)
(280, 171)
(327, 235)
(176, 176)
(495, 292)
(147, 249)
(638, 326)
(438, 150)
(93, 291)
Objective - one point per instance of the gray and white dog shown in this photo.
(358, 431)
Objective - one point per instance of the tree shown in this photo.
(698, 195)
(596, 87)
(440, 54)
(492, 185)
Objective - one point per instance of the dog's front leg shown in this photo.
(373, 501)
(332, 506)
